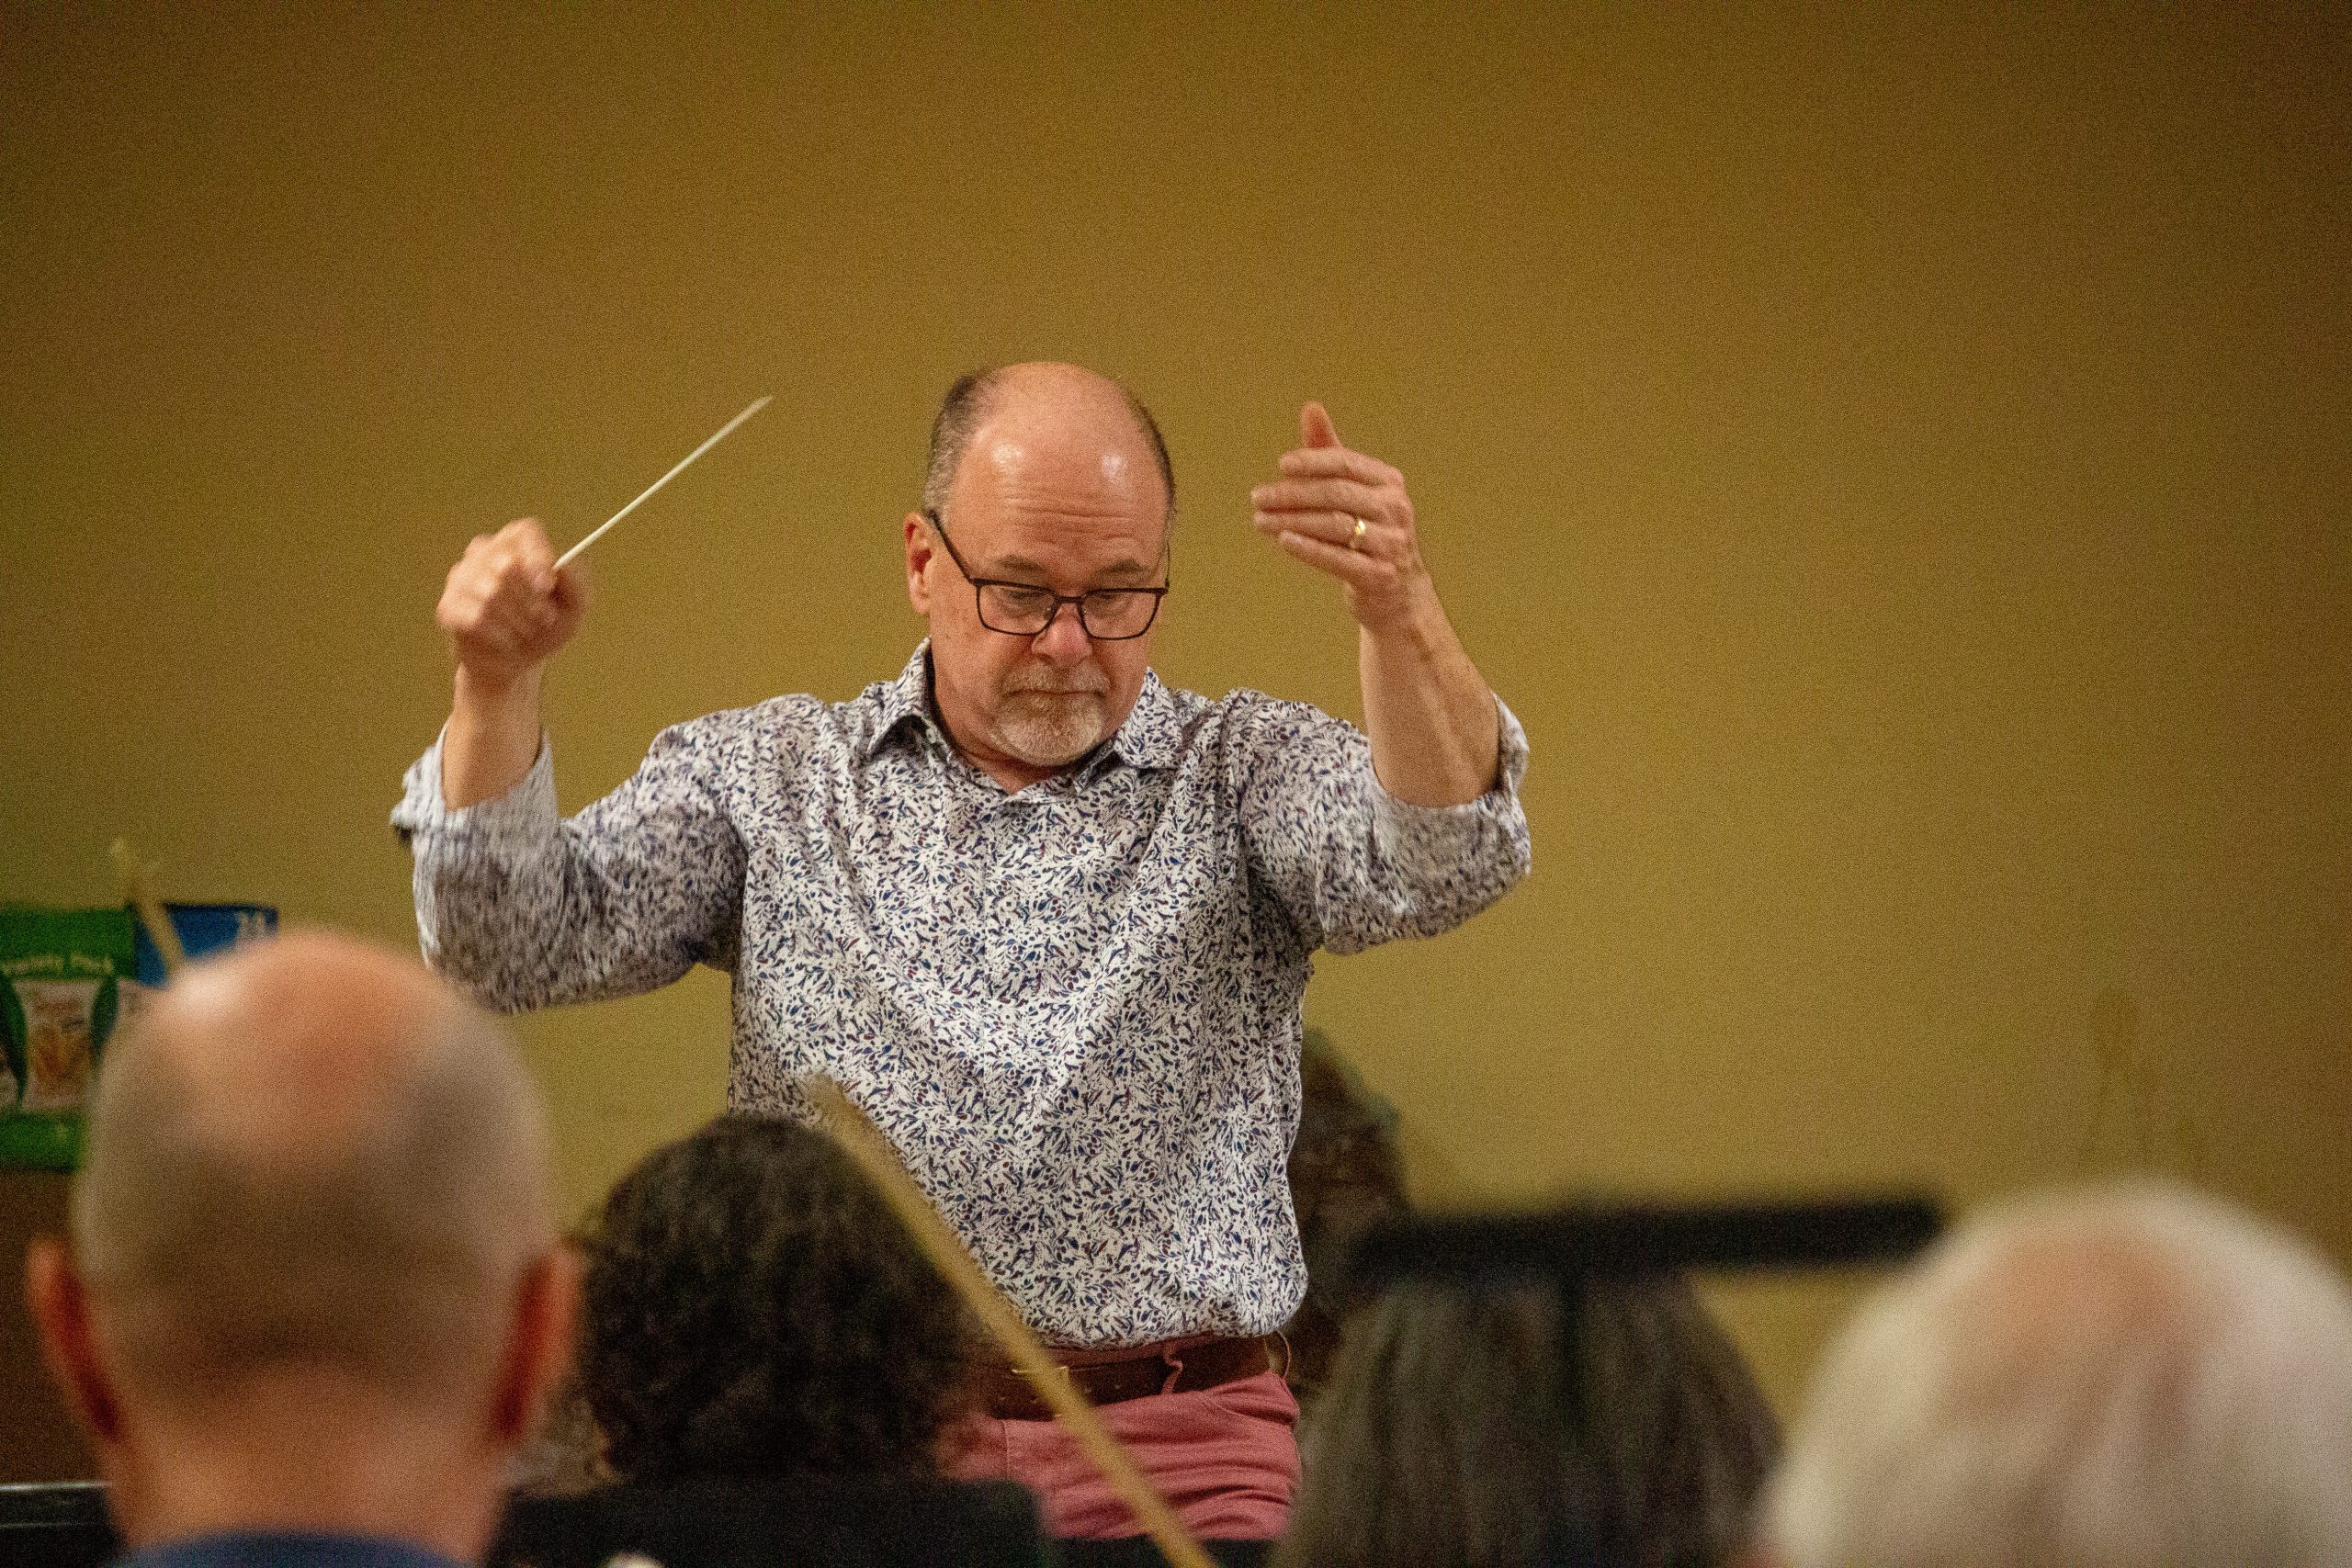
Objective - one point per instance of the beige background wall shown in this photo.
(1894, 460)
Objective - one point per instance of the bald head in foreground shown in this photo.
(2131, 1375)
(315, 1283)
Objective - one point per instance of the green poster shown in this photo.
(61, 972)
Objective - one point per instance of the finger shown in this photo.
(534, 558)
(1337, 462)
(508, 586)
(1351, 496)
(511, 627)
(1334, 528)
(520, 569)
(459, 612)
(1315, 426)
(1349, 566)
(462, 609)
(525, 533)
(484, 640)
(517, 554)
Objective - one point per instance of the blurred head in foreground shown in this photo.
(753, 1309)
(1480, 1427)
(314, 1282)
(2127, 1375)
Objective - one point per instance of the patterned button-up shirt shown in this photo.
(1074, 1008)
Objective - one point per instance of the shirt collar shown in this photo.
(1148, 738)
(905, 700)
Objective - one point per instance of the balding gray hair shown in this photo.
(966, 404)
(2130, 1375)
(388, 1249)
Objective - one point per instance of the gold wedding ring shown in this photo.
(1355, 541)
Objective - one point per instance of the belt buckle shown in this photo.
(1055, 1371)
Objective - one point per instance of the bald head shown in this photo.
(1021, 412)
(311, 1151)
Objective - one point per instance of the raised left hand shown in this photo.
(1347, 514)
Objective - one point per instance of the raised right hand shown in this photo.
(506, 608)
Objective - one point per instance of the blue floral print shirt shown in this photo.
(1074, 1008)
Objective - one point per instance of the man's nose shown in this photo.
(1064, 640)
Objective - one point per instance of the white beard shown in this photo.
(1047, 730)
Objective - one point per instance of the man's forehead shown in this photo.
(1010, 457)
(1044, 547)
(1092, 466)
(1022, 502)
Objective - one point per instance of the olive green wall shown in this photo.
(1893, 461)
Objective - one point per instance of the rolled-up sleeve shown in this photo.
(1350, 863)
(526, 909)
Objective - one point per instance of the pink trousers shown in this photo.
(1226, 1458)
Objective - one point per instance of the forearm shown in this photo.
(1350, 862)
(526, 910)
(492, 740)
(1430, 715)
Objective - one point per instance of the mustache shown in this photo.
(1058, 682)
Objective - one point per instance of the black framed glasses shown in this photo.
(1024, 609)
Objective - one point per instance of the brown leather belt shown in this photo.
(1107, 1377)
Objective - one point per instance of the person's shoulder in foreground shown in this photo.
(2129, 1375)
(313, 1296)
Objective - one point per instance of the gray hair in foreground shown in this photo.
(2128, 1375)
(385, 1244)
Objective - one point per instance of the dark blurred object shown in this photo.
(1603, 1240)
(61, 1524)
(1347, 1175)
(843, 1521)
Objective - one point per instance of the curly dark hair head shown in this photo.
(754, 1309)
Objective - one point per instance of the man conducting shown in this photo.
(1048, 920)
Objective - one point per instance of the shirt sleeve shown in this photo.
(1350, 863)
(526, 909)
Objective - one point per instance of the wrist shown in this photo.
(1412, 618)
(492, 738)
(491, 696)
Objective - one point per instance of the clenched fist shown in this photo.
(505, 606)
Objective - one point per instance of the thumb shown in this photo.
(571, 588)
(1315, 427)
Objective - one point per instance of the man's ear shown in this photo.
(539, 1344)
(60, 1302)
(919, 553)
